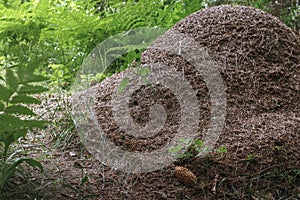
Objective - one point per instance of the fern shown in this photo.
(16, 118)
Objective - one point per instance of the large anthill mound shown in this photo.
(258, 58)
(256, 54)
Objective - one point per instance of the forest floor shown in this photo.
(252, 168)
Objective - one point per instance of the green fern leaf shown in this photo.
(35, 124)
(10, 123)
(27, 75)
(11, 80)
(32, 89)
(5, 93)
(24, 99)
(18, 109)
(1, 107)
(18, 134)
(33, 78)
(7, 139)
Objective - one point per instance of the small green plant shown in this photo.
(194, 148)
(221, 150)
(16, 118)
(278, 147)
(251, 157)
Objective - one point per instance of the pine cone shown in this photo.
(185, 175)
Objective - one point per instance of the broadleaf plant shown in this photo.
(16, 117)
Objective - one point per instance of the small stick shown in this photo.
(215, 184)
